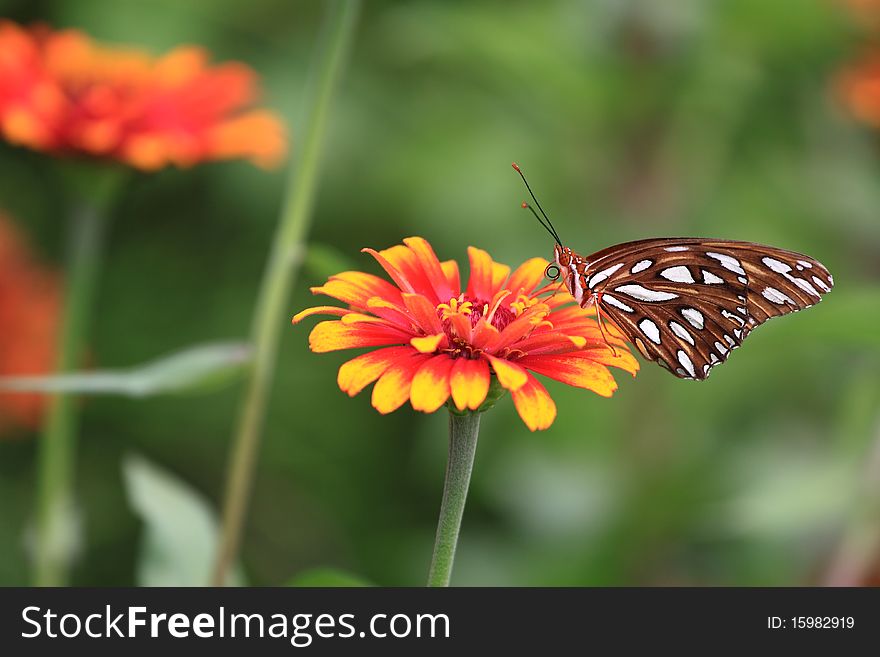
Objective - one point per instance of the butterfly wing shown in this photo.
(686, 303)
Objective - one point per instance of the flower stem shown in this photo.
(279, 277)
(463, 432)
(56, 459)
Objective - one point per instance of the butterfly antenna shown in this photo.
(546, 223)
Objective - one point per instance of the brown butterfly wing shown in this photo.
(686, 303)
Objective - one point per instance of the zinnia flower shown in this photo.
(29, 310)
(858, 87)
(438, 341)
(62, 93)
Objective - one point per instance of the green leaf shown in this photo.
(325, 576)
(194, 369)
(180, 528)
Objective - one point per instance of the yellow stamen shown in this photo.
(455, 307)
(522, 304)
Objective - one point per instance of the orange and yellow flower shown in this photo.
(30, 306)
(858, 87)
(62, 93)
(438, 341)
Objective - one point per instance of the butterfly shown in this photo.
(685, 302)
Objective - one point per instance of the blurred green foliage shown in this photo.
(633, 119)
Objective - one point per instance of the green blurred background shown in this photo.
(632, 119)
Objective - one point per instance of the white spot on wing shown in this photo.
(602, 275)
(742, 279)
(730, 341)
(713, 358)
(679, 274)
(641, 265)
(721, 348)
(681, 332)
(711, 279)
(650, 330)
(775, 296)
(686, 363)
(728, 262)
(693, 316)
(617, 303)
(676, 248)
(640, 293)
(776, 265)
(806, 287)
(804, 263)
(818, 281)
(733, 318)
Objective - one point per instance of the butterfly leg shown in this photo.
(596, 299)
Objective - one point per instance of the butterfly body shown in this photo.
(686, 303)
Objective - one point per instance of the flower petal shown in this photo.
(319, 310)
(430, 387)
(604, 355)
(429, 343)
(534, 404)
(358, 373)
(356, 288)
(510, 375)
(577, 370)
(469, 383)
(480, 280)
(334, 335)
(431, 267)
(450, 270)
(392, 389)
(423, 312)
(527, 276)
(396, 275)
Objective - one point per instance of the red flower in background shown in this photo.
(30, 305)
(439, 341)
(62, 93)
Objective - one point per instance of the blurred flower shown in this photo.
(62, 93)
(439, 341)
(29, 311)
(858, 87)
(866, 12)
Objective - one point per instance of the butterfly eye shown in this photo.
(552, 272)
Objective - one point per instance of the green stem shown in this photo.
(279, 277)
(55, 533)
(463, 432)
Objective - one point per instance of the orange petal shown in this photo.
(430, 387)
(423, 312)
(575, 370)
(550, 342)
(431, 266)
(396, 275)
(450, 270)
(469, 383)
(499, 275)
(480, 281)
(319, 310)
(428, 344)
(358, 373)
(392, 388)
(510, 375)
(356, 288)
(604, 355)
(527, 276)
(534, 405)
(334, 335)
(483, 334)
